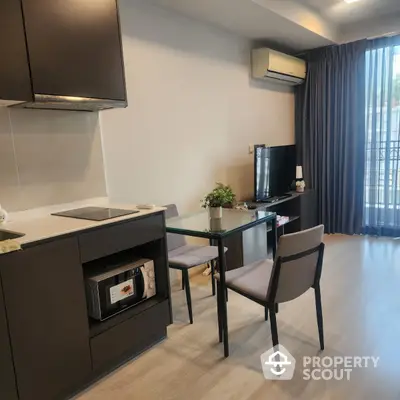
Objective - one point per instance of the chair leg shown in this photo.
(183, 281)
(320, 320)
(216, 268)
(266, 313)
(185, 273)
(276, 308)
(224, 320)
(274, 327)
(219, 310)
(212, 277)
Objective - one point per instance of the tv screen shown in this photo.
(274, 170)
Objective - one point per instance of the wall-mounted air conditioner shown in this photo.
(272, 65)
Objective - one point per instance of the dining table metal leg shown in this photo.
(219, 313)
(274, 237)
(212, 265)
(222, 292)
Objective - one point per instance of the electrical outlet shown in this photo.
(251, 148)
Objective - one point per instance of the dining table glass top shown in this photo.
(201, 225)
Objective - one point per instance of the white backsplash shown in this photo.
(49, 157)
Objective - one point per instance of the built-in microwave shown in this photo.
(114, 289)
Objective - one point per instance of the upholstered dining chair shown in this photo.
(183, 256)
(297, 268)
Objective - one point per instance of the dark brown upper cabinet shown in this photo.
(15, 81)
(72, 50)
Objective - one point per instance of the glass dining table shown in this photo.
(217, 231)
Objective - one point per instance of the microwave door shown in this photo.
(110, 306)
(113, 290)
(107, 307)
(128, 287)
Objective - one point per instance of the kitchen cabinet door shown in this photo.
(15, 81)
(46, 308)
(7, 378)
(75, 48)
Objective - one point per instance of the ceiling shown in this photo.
(342, 13)
(249, 19)
(297, 24)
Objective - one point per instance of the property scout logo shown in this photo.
(278, 364)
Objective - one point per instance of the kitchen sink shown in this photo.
(6, 235)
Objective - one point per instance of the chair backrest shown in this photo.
(297, 264)
(174, 241)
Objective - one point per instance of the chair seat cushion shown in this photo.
(191, 256)
(251, 280)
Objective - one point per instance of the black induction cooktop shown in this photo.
(95, 213)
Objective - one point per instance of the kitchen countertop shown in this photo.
(38, 223)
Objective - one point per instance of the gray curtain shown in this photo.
(330, 134)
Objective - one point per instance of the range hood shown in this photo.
(49, 102)
(59, 55)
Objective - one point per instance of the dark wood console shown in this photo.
(301, 207)
(49, 347)
(252, 244)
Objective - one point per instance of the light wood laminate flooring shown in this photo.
(361, 304)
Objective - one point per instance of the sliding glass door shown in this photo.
(382, 172)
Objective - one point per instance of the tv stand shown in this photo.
(274, 199)
(250, 246)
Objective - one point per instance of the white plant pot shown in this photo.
(216, 224)
(215, 212)
(299, 189)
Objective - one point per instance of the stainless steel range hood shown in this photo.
(52, 102)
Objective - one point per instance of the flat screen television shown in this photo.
(274, 171)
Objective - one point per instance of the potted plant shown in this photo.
(221, 196)
(300, 185)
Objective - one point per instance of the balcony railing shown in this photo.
(382, 175)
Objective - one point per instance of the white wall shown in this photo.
(49, 157)
(193, 111)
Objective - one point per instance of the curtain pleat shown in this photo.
(330, 133)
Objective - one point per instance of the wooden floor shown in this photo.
(361, 303)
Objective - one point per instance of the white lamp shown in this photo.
(299, 172)
(300, 185)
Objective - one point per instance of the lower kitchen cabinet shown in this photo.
(46, 308)
(7, 378)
